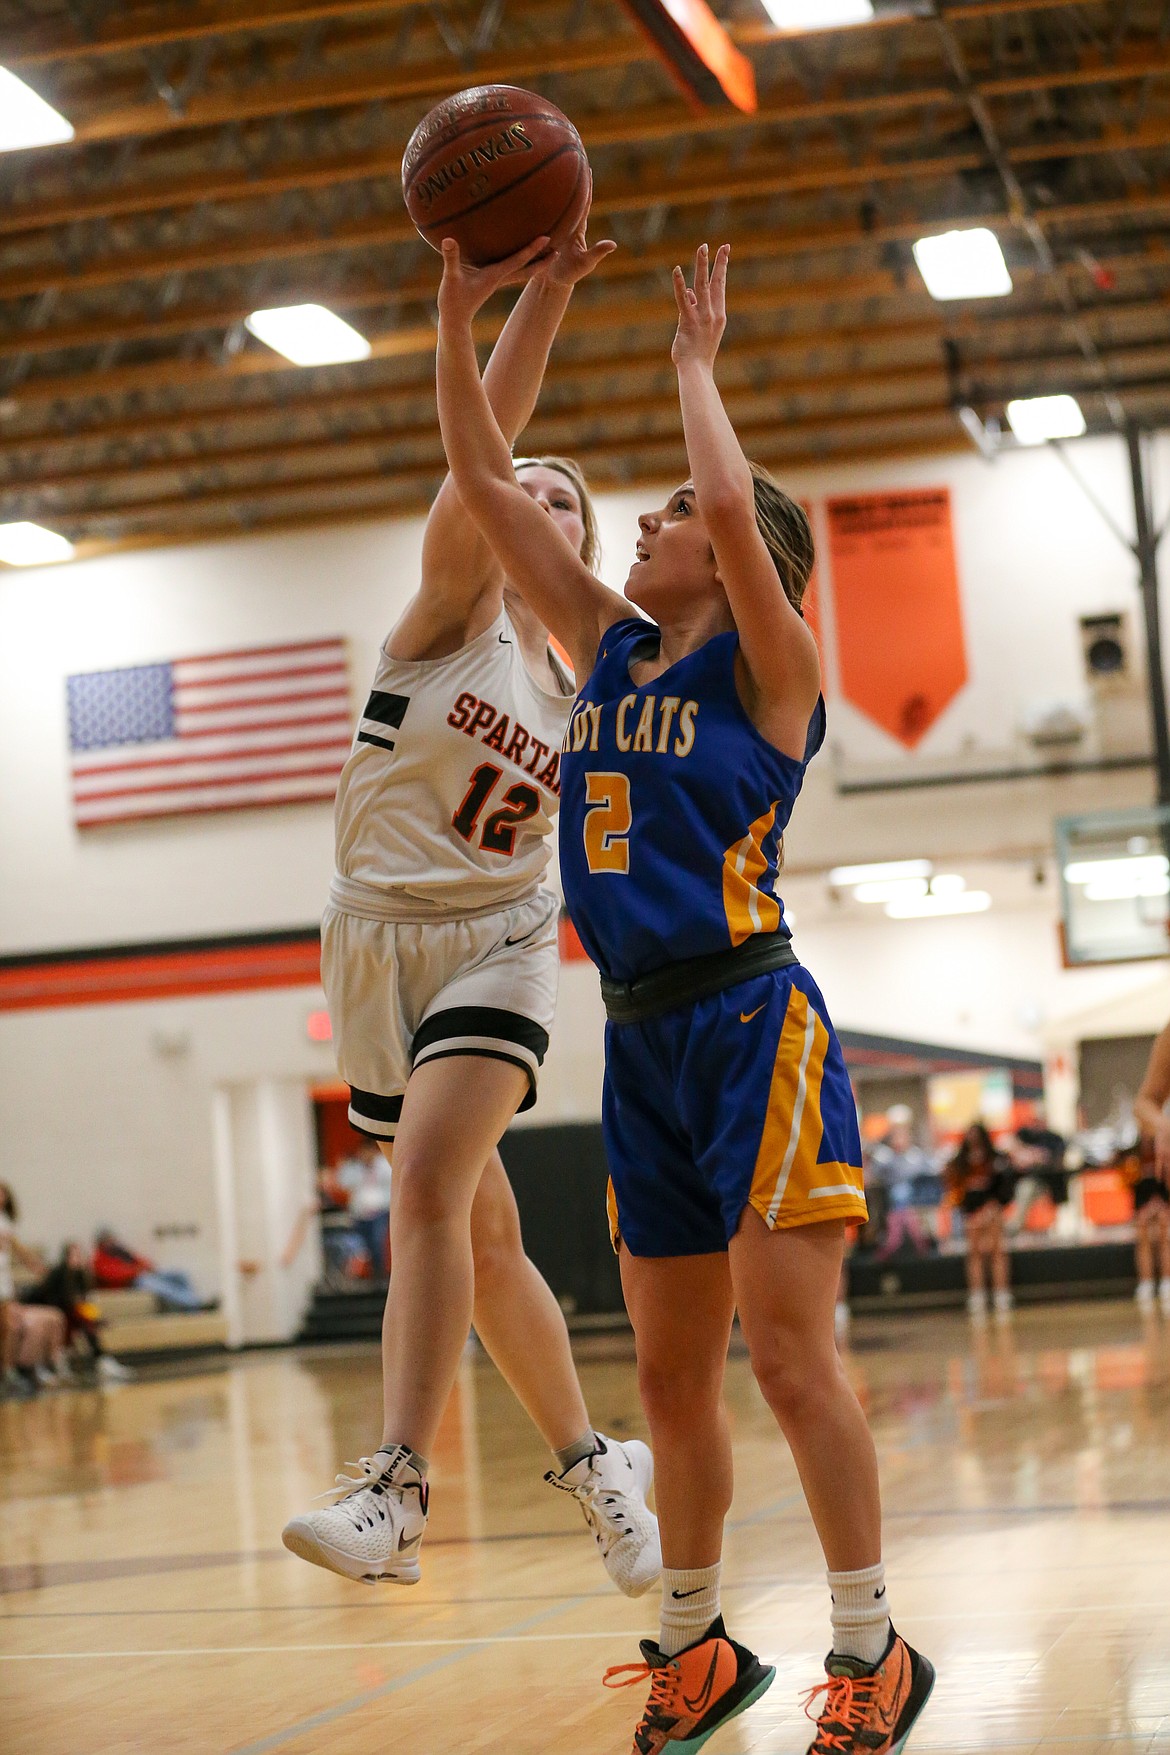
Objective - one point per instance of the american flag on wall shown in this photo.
(262, 725)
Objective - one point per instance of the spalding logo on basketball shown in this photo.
(494, 167)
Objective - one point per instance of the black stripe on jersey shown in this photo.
(386, 709)
(383, 743)
(375, 1108)
(481, 1020)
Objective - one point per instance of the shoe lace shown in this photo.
(847, 1700)
(346, 1493)
(661, 1712)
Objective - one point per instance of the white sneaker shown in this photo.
(374, 1529)
(1004, 1304)
(1144, 1296)
(977, 1306)
(111, 1370)
(611, 1487)
(1164, 1297)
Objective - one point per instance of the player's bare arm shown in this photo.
(781, 666)
(462, 581)
(1149, 1104)
(533, 553)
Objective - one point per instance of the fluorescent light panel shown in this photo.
(1129, 871)
(26, 119)
(963, 265)
(1036, 419)
(925, 907)
(845, 875)
(818, 14)
(890, 889)
(1119, 889)
(308, 335)
(29, 545)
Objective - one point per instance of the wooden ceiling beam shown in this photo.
(149, 27)
(760, 180)
(612, 450)
(559, 428)
(422, 79)
(153, 26)
(1138, 61)
(72, 386)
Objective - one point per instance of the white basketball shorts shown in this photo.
(402, 993)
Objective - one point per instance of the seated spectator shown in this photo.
(66, 1288)
(116, 1266)
(365, 1177)
(11, 1248)
(39, 1345)
(982, 1184)
(906, 1175)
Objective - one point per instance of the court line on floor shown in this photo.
(329, 1715)
(516, 1636)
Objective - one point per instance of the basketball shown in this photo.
(494, 167)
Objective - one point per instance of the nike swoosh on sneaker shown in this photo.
(405, 1541)
(699, 1705)
(746, 1017)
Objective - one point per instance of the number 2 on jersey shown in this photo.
(608, 822)
(499, 832)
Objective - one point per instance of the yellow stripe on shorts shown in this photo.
(611, 1214)
(789, 1186)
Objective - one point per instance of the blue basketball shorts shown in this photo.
(741, 1099)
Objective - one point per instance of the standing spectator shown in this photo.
(366, 1179)
(66, 1287)
(981, 1180)
(904, 1171)
(1151, 1195)
(10, 1246)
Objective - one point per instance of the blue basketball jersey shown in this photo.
(672, 808)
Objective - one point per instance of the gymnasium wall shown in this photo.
(106, 1112)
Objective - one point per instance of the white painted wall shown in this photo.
(106, 1120)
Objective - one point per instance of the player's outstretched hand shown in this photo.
(576, 257)
(702, 308)
(465, 288)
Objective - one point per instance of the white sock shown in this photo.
(690, 1602)
(860, 1613)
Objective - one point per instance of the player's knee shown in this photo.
(423, 1195)
(497, 1253)
(793, 1376)
(675, 1394)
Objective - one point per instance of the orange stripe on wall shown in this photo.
(159, 973)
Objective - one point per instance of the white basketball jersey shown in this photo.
(447, 800)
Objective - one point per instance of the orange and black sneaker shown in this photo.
(870, 1709)
(693, 1693)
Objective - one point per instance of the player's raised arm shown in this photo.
(778, 648)
(534, 554)
(462, 581)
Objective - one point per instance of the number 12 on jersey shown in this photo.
(499, 832)
(608, 822)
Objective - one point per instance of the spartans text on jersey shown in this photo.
(477, 718)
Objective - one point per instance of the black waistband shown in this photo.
(679, 984)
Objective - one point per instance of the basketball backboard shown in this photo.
(1115, 885)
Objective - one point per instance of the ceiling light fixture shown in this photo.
(1036, 419)
(890, 889)
(925, 907)
(843, 876)
(26, 119)
(308, 335)
(1132, 870)
(818, 14)
(963, 265)
(30, 545)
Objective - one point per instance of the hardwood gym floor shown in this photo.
(148, 1605)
